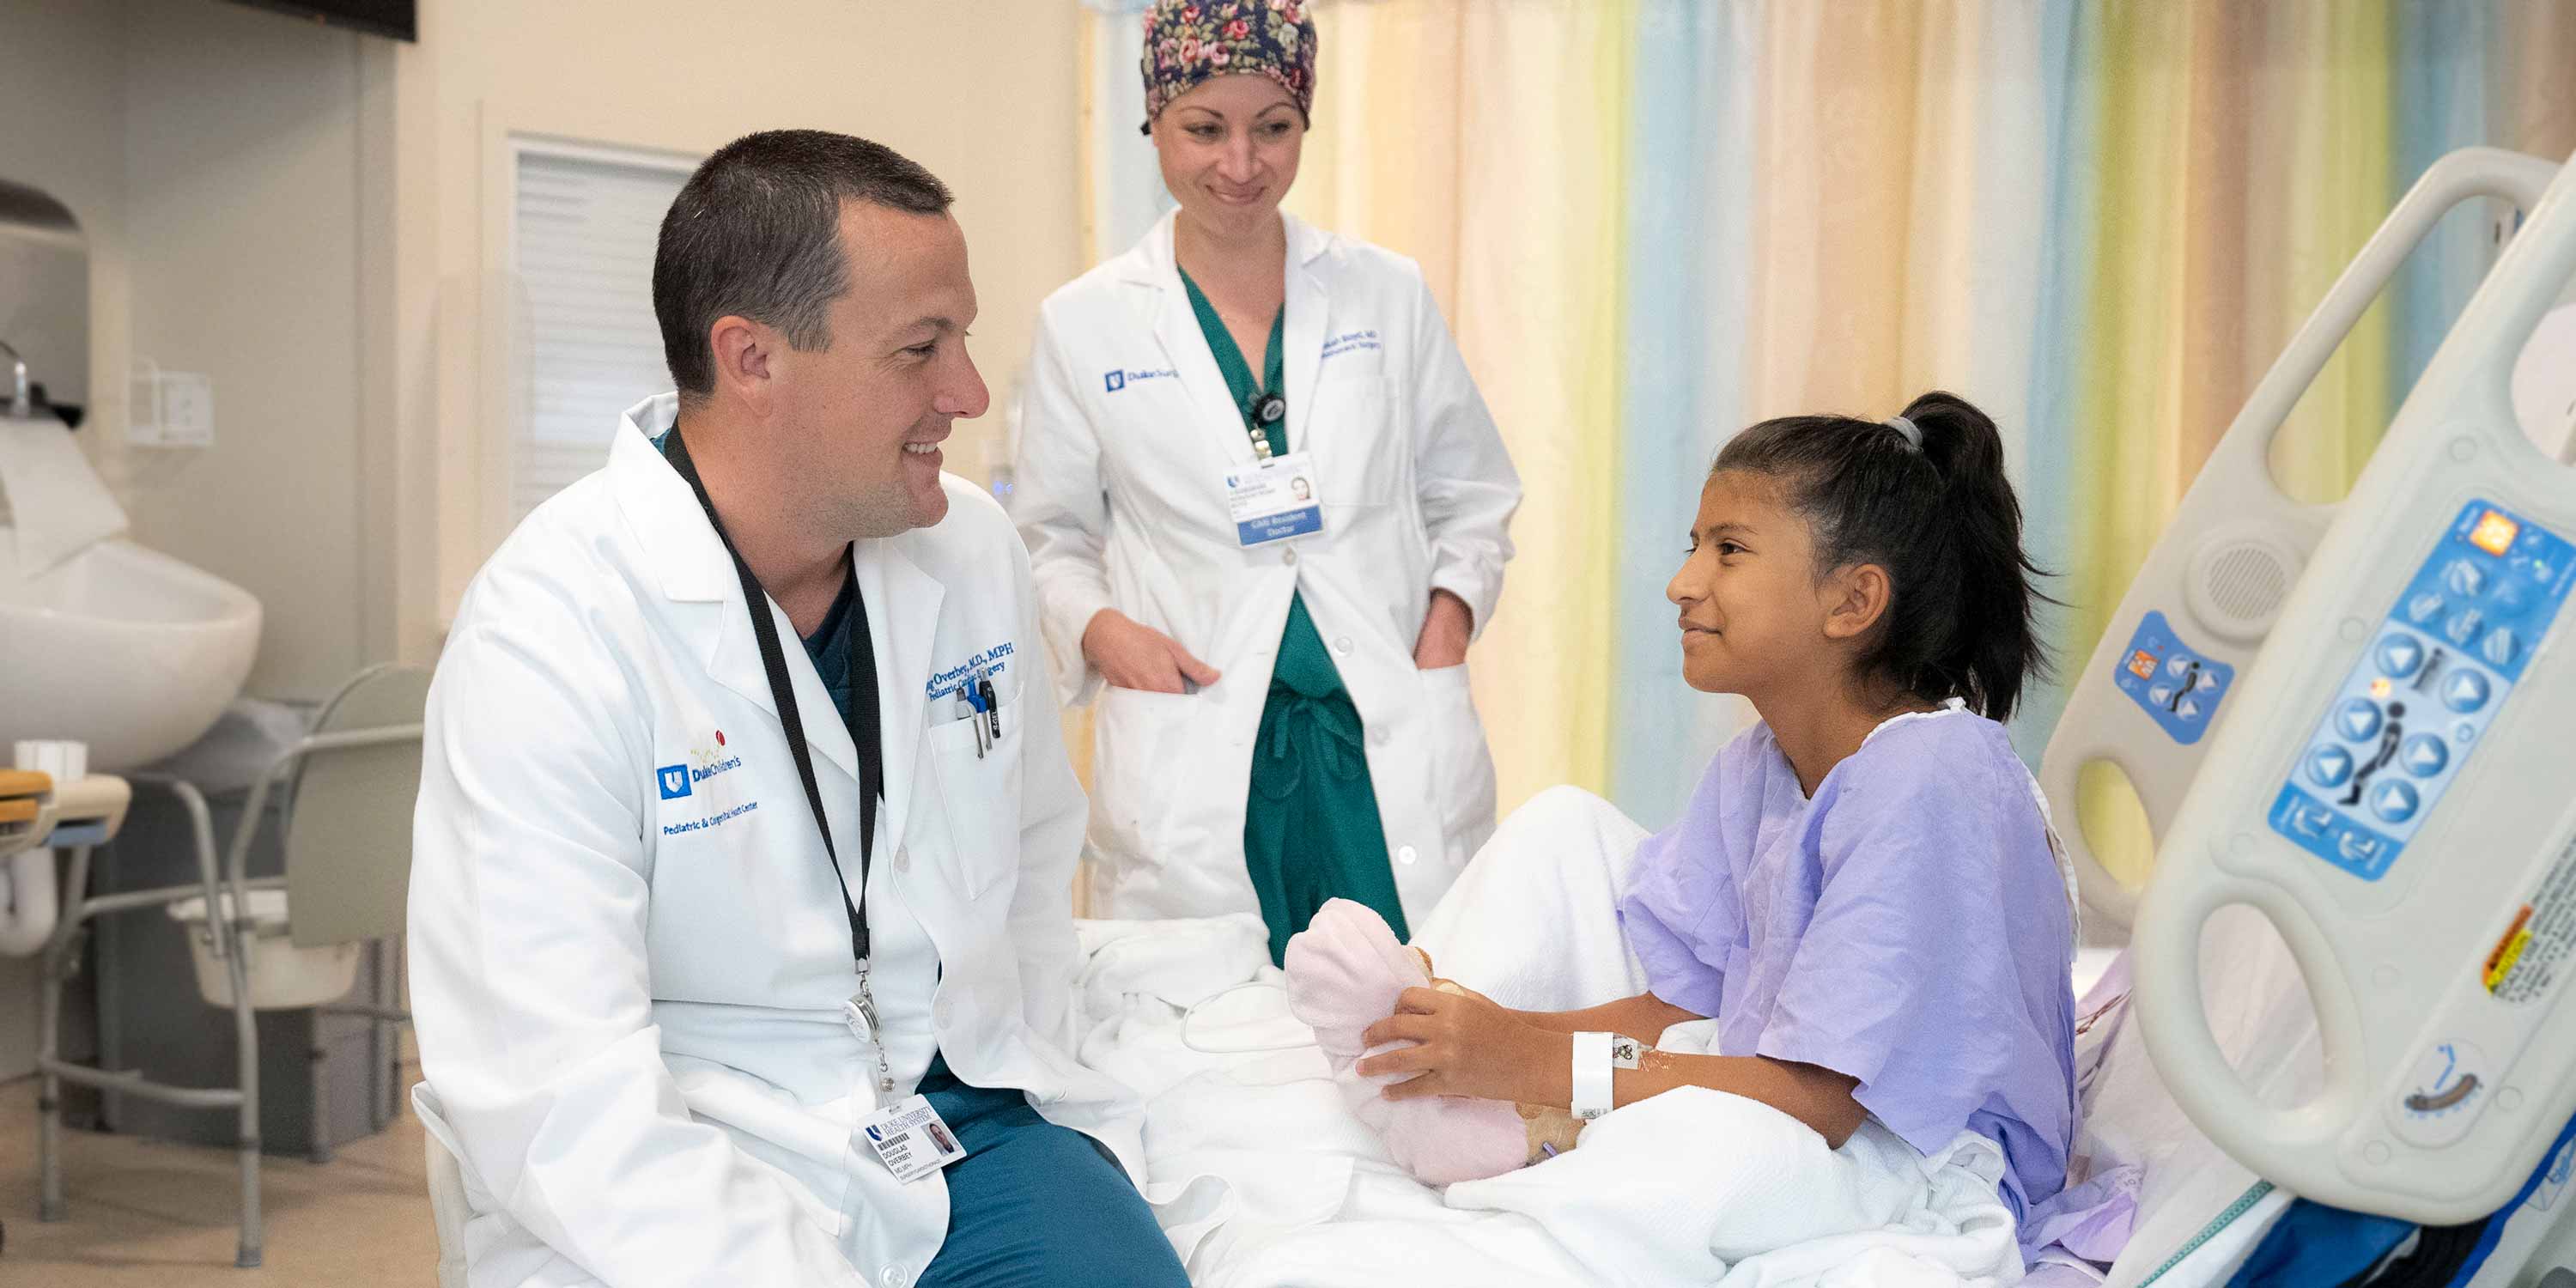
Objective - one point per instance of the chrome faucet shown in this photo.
(21, 404)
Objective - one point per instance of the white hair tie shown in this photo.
(1913, 434)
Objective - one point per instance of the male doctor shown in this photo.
(746, 832)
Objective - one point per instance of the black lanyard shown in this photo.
(861, 719)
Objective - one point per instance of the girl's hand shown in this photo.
(1469, 1047)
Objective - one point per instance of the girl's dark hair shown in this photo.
(1943, 521)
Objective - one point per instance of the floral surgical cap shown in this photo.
(1188, 41)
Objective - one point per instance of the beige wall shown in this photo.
(242, 180)
(981, 93)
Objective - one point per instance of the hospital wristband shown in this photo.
(1592, 1094)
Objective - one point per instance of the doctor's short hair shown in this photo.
(1940, 516)
(756, 232)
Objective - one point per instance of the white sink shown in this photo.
(123, 648)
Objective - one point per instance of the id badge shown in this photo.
(910, 1139)
(1273, 500)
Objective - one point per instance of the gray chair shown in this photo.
(349, 815)
(349, 789)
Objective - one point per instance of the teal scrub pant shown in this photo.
(1034, 1205)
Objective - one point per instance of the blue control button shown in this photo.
(2178, 686)
(2423, 756)
(2424, 607)
(2502, 647)
(2466, 692)
(2464, 626)
(2329, 766)
(2359, 719)
(2393, 802)
(2464, 578)
(2399, 655)
(2510, 598)
(2311, 820)
(2361, 849)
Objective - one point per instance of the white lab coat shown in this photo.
(1126, 428)
(630, 1006)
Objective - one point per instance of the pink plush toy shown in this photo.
(1345, 971)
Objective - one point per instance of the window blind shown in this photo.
(583, 229)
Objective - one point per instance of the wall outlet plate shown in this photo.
(171, 409)
(187, 409)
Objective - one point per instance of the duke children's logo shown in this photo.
(1113, 381)
(676, 781)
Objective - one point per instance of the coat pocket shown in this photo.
(980, 785)
(1140, 762)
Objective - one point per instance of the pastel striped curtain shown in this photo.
(1652, 222)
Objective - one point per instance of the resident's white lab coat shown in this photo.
(628, 958)
(1126, 431)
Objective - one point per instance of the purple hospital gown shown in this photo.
(1908, 927)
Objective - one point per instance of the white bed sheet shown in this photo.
(1262, 1177)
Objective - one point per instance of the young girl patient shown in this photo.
(1863, 893)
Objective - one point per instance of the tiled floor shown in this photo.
(148, 1213)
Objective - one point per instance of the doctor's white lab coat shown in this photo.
(1126, 432)
(628, 958)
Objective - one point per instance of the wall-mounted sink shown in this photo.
(120, 647)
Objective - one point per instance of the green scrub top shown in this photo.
(1310, 824)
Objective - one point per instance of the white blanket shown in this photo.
(1261, 1176)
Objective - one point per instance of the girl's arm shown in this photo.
(1812, 1094)
(1469, 1046)
(1641, 1017)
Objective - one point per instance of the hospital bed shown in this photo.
(2352, 727)
(2356, 996)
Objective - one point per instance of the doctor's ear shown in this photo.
(744, 353)
(1855, 597)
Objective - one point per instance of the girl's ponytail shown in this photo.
(1995, 650)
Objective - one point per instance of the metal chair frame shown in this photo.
(224, 935)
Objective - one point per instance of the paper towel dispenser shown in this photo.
(44, 302)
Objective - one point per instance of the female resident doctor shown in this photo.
(1266, 511)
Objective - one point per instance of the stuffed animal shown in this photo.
(1345, 971)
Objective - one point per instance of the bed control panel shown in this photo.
(2179, 686)
(2437, 669)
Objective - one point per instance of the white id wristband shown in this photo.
(1592, 1095)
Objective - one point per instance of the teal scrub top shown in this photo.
(1310, 824)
